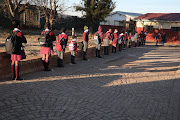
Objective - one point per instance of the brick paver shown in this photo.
(136, 84)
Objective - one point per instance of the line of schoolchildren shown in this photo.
(61, 44)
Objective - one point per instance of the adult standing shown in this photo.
(47, 49)
(163, 39)
(99, 33)
(106, 41)
(114, 41)
(85, 41)
(61, 44)
(144, 37)
(157, 38)
(18, 53)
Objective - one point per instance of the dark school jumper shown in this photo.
(48, 49)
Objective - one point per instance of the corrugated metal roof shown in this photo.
(161, 16)
(128, 13)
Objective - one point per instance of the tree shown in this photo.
(49, 8)
(95, 10)
(16, 7)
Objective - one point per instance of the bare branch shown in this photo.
(10, 7)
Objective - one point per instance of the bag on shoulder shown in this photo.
(60, 44)
(10, 43)
(96, 38)
(45, 39)
(71, 46)
(120, 40)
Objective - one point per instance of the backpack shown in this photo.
(120, 39)
(71, 46)
(97, 38)
(45, 39)
(60, 44)
(10, 43)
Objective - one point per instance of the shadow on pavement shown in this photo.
(122, 86)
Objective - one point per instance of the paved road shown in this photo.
(135, 84)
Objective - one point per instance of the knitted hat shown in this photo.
(85, 27)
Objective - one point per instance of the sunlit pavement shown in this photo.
(140, 83)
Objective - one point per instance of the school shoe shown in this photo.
(85, 59)
(84, 56)
(13, 72)
(60, 66)
(99, 56)
(104, 50)
(72, 61)
(47, 66)
(19, 78)
(60, 63)
(17, 73)
(44, 64)
(47, 69)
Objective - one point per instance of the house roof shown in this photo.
(127, 13)
(161, 16)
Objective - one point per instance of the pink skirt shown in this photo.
(16, 57)
(45, 50)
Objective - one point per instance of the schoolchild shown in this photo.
(114, 41)
(47, 49)
(61, 43)
(120, 41)
(130, 39)
(85, 41)
(125, 40)
(99, 33)
(73, 48)
(106, 41)
(18, 53)
(136, 39)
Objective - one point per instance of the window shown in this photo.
(175, 29)
(149, 27)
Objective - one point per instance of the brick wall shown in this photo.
(171, 37)
(34, 64)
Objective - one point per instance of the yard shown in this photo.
(32, 48)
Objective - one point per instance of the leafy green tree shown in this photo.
(95, 10)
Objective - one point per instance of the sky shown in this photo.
(136, 6)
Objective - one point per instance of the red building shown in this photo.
(155, 23)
